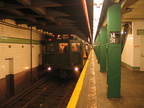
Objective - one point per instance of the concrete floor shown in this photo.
(94, 90)
(132, 90)
(87, 98)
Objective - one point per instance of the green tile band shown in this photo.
(5, 39)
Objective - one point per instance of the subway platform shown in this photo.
(91, 89)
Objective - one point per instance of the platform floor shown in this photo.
(94, 90)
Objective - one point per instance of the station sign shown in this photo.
(115, 37)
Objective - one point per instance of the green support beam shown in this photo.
(98, 48)
(103, 36)
(95, 47)
(114, 50)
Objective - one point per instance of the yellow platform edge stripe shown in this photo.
(75, 96)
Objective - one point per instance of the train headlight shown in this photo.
(76, 69)
(49, 68)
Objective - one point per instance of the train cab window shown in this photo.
(62, 48)
(50, 47)
(75, 47)
(59, 36)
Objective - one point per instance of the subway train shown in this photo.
(65, 54)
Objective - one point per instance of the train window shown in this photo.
(62, 48)
(59, 36)
(50, 47)
(75, 47)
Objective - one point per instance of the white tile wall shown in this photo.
(35, 55)
(20, 56)
(127, 55)
(131, 52)
(137, 25)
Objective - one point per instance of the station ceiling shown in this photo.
(53, 16)
(66, 16)
(131, 10)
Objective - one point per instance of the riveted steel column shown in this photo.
(103, 36)
(98, 48)
(95, 47)
(114, 50)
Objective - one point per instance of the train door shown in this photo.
(62, 53)
(76, 53)
(142, 54)
(50, 54)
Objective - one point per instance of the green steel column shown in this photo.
(95, 47)
(103, 36)
(114, 50)
(98, 48)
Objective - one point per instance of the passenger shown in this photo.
(78, 46)
(63, 47)
(60, 49)
(84, 58)
(74, 47)
(86, 53)
(66, 49)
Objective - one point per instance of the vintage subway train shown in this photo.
(65, 54)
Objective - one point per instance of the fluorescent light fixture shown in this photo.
(97, 7)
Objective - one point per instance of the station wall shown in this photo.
(131, 52)
(16, 56)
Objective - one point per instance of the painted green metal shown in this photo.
(103, 36)
(114, 51)
(98, 48)
(95, 47)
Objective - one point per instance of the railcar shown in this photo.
(65, 54)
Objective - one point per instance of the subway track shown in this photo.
(47, 93)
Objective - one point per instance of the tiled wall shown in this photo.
(15, 48)
(137, 42)
(131, 52)
(127, 55)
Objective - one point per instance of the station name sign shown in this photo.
(115, 37)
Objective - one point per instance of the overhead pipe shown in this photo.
(84, 4)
